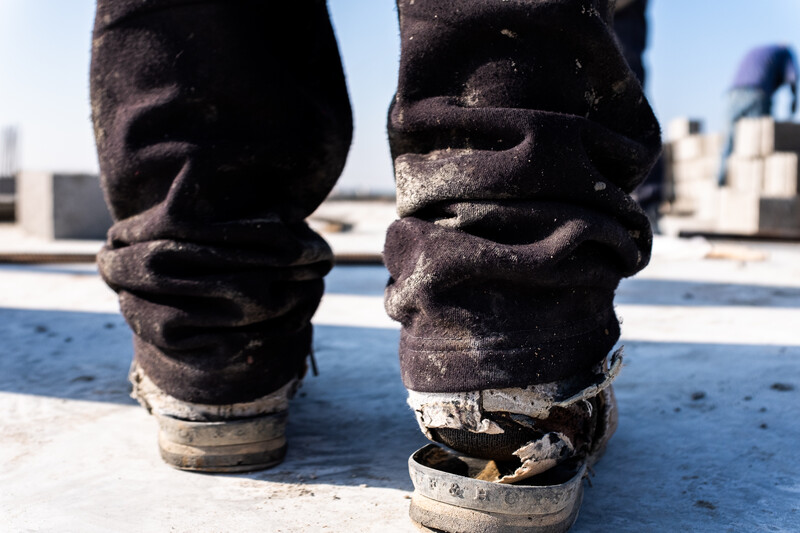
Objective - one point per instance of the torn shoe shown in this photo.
(521, 454)
(240, 437)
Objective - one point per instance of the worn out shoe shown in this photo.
(517, 456)
(239, 437)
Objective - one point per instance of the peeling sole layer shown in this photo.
(456, 503)
(445, 518)
(240, 445)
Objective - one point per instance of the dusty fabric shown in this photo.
(631, 29)
(220, 126)
(158, 402)
(518, 132)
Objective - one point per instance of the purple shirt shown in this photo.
(767, 68)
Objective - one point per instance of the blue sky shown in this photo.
(44, 59)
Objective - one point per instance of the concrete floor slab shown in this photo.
(709, 405)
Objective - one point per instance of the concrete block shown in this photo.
(748, 213)
(687, 148)
(746, 174)
(687, 171)
(681, 127)
(780, 137)
(698, 198)
(702, 169)
(707, 200)
(7, 202)
(779, 217)
(669, 167)
(61, 206)
(753, 137)
(8, 185)
(713, 146)
(781, 178)
(738, 212)
(683, 201)
(7, 198)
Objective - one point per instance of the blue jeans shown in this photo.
(742, 102)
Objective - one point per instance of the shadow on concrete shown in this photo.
(371, 280)
(705, 424)
(360, 280)
(65, 354)
(349, 426)
(644, 291)
(77, 269)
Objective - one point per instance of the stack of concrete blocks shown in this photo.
(7, 198)
(761, 194)
(61, 206)
(692, 165)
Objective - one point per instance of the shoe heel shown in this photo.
(241, 445)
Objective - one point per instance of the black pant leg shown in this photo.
(630, 27)
(220, 126)
(518, 133)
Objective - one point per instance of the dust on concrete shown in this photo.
(705, 504)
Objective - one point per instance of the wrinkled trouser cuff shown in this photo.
(159, 403)
(220, 128)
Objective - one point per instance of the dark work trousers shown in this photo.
(630, 27)
(518, 132)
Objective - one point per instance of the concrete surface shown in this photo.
(709, 403)
(16, 241)
(361, 227)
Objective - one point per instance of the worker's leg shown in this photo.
(518, 133)
(220, 127)
(742, 102)
(631, 28)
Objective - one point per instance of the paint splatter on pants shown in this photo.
(517, 131)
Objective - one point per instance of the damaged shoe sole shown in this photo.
(444, 501)
(239, 445)
(448, 497)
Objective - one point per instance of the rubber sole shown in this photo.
(242, 445)
(447, 502)
(450, 519)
